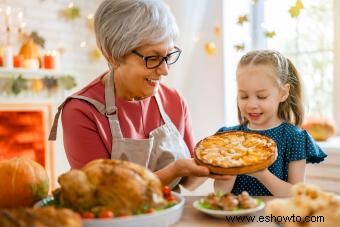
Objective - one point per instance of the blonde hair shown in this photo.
(291, 110)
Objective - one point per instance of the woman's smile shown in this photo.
(152, 82)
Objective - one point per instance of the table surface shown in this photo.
(194, 218)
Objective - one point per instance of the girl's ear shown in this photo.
(285, 92)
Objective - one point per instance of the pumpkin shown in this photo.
(319, 128)
(23, 182)
(29, 50)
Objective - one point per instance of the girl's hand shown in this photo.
(258, 174)
(221, 177)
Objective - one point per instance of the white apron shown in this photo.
(164, 145)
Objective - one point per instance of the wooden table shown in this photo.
(194, 218)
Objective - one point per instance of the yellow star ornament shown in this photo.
(295, 10)
(210, 48)
(270, 34)
(95, 54)
(239, 47)
(242, 19)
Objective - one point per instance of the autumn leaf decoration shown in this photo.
(240, 47)
(270, 34)
(242, 19)
(295, 10)
(72, 12)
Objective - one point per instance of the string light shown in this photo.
(83, 44)
(196, 39)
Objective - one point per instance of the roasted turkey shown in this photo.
(119, 186)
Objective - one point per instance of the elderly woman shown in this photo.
(127, 113)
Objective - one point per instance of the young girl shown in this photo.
(269, 99)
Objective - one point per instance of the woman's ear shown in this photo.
(285, 92)
(114, 63)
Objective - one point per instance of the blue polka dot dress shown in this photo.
(293, 144)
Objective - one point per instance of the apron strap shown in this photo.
(109, 94)
(111, 109)
(99, 106)
(165, 117)
(53, 132)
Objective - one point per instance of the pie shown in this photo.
(236, 152)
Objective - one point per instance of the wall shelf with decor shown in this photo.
(18, 80)
(28, 73)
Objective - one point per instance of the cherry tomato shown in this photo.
(106, 214)
(171, 198)
(87, 215)
(166, 191)
(149, 211)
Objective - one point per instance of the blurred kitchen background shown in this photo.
(48, 51)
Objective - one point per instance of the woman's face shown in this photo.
(259, 95)
(133, 81)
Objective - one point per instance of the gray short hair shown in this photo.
(124, 25)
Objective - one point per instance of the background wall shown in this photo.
(198, 75)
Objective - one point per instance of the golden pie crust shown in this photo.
(236, 152)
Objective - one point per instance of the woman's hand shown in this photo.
(181, 168)
(188, 167)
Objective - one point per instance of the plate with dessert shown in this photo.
(236, 152)
(221, 205)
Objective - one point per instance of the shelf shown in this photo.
(331, 145)
(17, 80)
(9, 72)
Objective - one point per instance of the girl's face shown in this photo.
(133, 81)
(259, 95)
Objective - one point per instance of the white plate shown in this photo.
(160, 218)
(224, 213)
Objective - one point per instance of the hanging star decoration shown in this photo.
(239, 47)
(295, 10)
(210, 48)
(242, 19)
(71, 12)
(95, 54)
(217, 31)
(270, 34)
